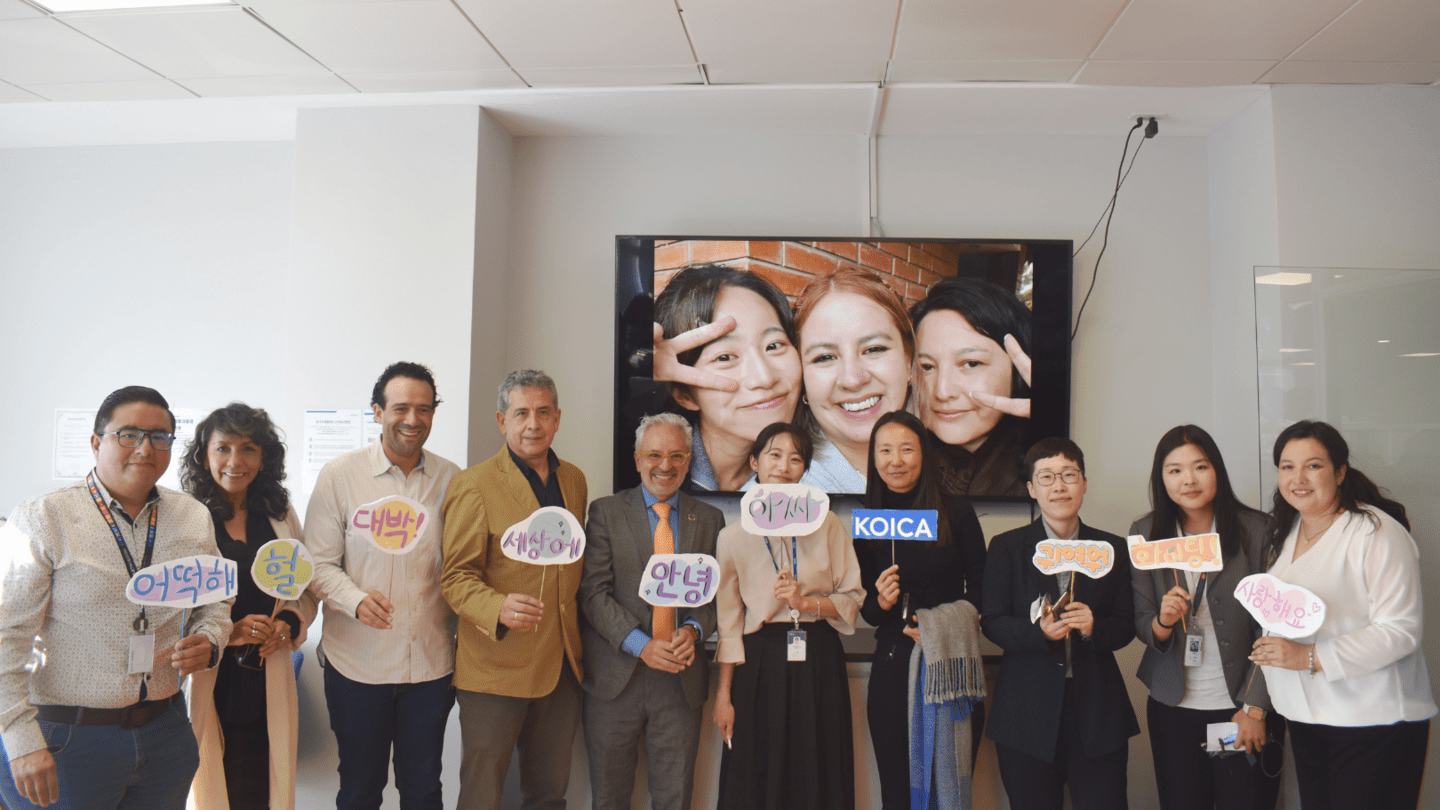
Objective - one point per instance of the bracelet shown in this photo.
(1164, 626)
(1312, 660)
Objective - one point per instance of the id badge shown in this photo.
(795, 645)
(141, 658)
(1193, 644)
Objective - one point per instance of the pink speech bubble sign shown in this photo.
(1281, 608)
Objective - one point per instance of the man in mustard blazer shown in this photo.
(518, 667)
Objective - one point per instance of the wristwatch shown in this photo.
(1255, 712)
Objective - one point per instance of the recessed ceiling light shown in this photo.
(1292, 351)
(1284, 279)
(1302, 364)
(1422, 354)
(1382, 341)
(69, 6)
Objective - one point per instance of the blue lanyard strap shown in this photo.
(115, 529)
(1199, 595)
(794, 563)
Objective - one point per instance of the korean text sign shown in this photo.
(680, 580)
(549, 535)
(1093, 558)
(184, 583)
(1200, 552)
(394, 524)
(283, 568)
(1281, 608)
(787, 510)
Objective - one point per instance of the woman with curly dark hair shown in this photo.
(246, 707)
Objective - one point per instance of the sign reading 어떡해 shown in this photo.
(1198, 552)
(394, 524)
(184, 583)
(1281, 608)
(680, 580)
(1093, 558)
(895, 524)
(783, 509)
(549, 535)
(283, 568)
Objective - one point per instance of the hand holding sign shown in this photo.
(786, 510)
(184, 583)
(1283, 609)
(283, 568)
(394, 524)
(1199, 552)
(680, 580)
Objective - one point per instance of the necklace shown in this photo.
(1315, 535)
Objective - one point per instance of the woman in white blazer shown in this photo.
(244, 711)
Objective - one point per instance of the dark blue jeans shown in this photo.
(105, 767)
(371, 720)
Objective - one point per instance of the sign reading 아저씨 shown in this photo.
(680, 580)
(184, 583)
(394, 524)
(895, 524)
(549, 535)
(1200, 552)
(1281, 608)
(283, 568)
(1093, 558)
(783, 509)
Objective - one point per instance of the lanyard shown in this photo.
(794, 563)
(140, 623)
(1195, 601)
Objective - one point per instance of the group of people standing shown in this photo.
(92, 715)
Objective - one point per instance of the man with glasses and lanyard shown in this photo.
(91, 713)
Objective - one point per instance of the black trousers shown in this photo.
(1374, 767)
(1187, 778)
(886, 710)
(1096, 783)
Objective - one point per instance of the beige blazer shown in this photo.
(207, 792)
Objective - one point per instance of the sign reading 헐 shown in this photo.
(1093, 558)
(895, 524)
(394, 524)
(283, 568)
(1200, 552)
(1281, 608)
(680, 580)
(184, 583)
(783, 509)
(550, 535)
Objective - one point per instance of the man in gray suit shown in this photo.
(643, 676)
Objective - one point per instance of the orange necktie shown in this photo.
(662, 619)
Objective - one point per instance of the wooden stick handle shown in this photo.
(1183, 628)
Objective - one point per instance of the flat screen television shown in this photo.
(831, 333)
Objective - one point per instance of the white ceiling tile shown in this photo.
(17, 10)
(237, 86)
(435, 81)
(794, 42)
(1002, 30)
(1213, 30)
(9, 93)
(198, 43)
(1291, 72)
(1379, 31)
(568, 34)
(44, 51)
(1033, 70)
(411, 36)
(1172, 74)
(144, 89)
(641, 76)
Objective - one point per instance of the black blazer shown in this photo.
(1026, 711)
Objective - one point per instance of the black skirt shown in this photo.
(793, 746)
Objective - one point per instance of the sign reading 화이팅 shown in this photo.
(394, 524)
(1281, 608)
(1093, 558)
(184, 583)
(549, 535)
(680, 580)
(895, 524)
(1199, 552)
(783, 509)
(283, 568)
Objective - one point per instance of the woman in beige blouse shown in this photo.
(783, 703)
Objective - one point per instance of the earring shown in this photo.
(805, 398)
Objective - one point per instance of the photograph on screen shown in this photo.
(969, 335)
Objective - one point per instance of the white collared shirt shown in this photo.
(420, 646)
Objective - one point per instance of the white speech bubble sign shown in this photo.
(550, 535)
(1199, 552)
(283, 568)
(1093, 558)
(185, 582)
(783, 509)
(1281, 608)
(394, 524)
(680, 580)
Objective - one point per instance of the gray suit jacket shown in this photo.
(1162, 669)
(618, 543)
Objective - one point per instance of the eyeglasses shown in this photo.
(132, 437)
(1070, 476)
(675, 458)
